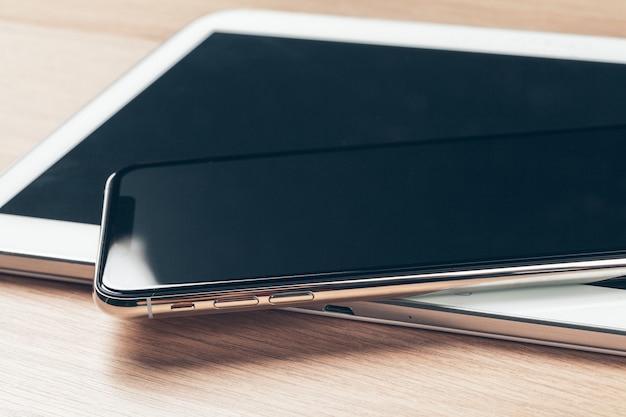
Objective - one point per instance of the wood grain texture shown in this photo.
(158, 19)
(59, 356)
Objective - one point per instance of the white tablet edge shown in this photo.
(39, 239)
(570, 316)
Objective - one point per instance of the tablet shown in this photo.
(582, 317)
(245, 82)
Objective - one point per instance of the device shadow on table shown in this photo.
(265, 336)
(202, 342)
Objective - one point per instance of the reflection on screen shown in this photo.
(420, 206)
(241, 95)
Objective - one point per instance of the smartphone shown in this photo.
(363, 222)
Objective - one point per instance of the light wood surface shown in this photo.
(60, 356)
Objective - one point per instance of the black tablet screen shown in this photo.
(240, 95)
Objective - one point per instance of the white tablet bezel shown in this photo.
(581, 317)
(67, 251)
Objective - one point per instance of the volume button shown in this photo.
(291, 297)
(235, 302)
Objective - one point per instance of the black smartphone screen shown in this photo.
(424, 205)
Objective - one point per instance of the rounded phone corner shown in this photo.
(126, 309)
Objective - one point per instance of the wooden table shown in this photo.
(60, 356)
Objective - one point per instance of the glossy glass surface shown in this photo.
(240, 95)
(421, 206)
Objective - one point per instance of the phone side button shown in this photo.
(291, 297)
(235, 302)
